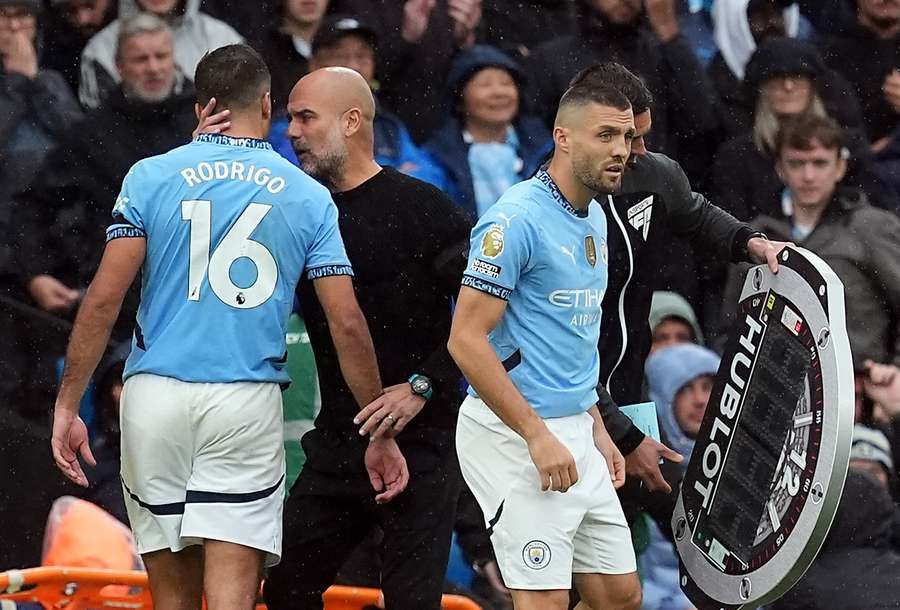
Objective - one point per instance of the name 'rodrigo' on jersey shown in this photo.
(230, 227)
(549, 260)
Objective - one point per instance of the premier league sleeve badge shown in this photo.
(768, 467)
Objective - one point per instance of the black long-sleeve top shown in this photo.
(407, 243)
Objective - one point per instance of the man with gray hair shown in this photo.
(66, 210)
(194, 34)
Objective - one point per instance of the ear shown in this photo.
(561, 138)
(267, 105)
(352, 121)
(841, 168)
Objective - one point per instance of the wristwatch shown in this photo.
(421, 385)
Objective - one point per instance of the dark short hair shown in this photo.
(618, 77)
(588, 91)
(807, 130)
(235, 75)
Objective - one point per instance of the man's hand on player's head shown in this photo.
(388, 414)
(614, 460)
(212, 123)
(69, 439)
(643, 463)
(763, 250)
(387, 469)
(553, 460)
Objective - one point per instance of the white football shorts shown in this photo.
(541, 538)
(203, 461)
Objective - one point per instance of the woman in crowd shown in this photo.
(786, 78)
(488, 144)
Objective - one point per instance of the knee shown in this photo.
(629, 599)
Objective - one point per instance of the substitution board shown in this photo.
(769, 463)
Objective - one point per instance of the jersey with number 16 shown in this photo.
(230, 227)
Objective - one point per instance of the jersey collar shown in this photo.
(544, 177)
(219, 138)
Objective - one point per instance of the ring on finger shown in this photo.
(390, 418)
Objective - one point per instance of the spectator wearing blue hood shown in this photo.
(488, 144)
(680, 379)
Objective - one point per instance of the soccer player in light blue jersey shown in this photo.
(531, 442)
(222, 229)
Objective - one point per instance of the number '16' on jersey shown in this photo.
(230, 227)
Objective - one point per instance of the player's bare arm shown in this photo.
(476, 315)
(351, 337)
(605, 445)
(98, 312)
(350, 333)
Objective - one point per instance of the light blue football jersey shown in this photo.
(230, 227)
(549, 260)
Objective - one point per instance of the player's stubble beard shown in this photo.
(582, 166)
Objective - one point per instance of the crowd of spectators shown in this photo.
(786, 114)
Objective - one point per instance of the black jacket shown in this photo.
(655, 205)
(519, 26)
(865, 61)
(68, 206)
(684, 100)
(286, 66)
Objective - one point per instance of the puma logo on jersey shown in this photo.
(569, 253)
(639, 216)
(506, 219)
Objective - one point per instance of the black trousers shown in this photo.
(328, 515)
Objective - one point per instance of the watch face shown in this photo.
(420, 385)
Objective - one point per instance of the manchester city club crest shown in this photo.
(492, 243)
(590, 250)
(536, 555)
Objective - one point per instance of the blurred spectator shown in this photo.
(617, 30)
(288, 46)
(680, 379)
(194, 34)
(251, 19)
(871, 453)
(36, 106)
(672, 321)
(856, 568)
(741, 25)
(487, 144)
(785, 78)
(350, 43)
(860, 242)
(69, 26)
(868, 54)
(67, 209)
(419, 41)
(518, 26)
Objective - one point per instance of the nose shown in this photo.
(638, 146)
(789, 84)
(83, 15)
(622, 148)
(808, 172)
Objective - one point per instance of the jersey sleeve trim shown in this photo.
(486, 287)
(321, 271)
(124, 229)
